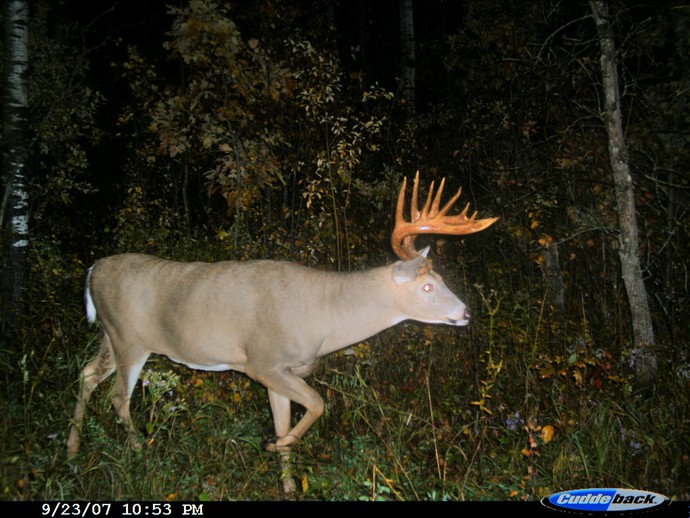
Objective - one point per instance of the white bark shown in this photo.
(14, 213)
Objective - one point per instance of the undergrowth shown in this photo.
(521, 404)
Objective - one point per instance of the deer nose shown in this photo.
(467, 314)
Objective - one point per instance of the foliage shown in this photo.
(263, 125)
(218, 122)
(398, 426)
(251, 142)
(63, 109)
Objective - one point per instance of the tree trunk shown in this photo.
(643, 355)
(553, 278)
(14, 213)
(408, 71)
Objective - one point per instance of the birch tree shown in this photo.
(14, 212)
(643, 355)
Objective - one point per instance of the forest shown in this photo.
(210, 130)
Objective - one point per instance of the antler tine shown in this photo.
(402, 242)
(400, 207)
(431, 208)
(437, 201)
(431, 219)
(414, 211)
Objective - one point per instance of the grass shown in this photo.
(514, 408)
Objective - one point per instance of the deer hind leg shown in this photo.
(128, 370)
(102, 366)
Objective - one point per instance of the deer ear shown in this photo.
(424, 251)
(408, 271)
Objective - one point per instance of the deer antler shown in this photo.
(430, 220)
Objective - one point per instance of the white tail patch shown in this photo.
(88, 301)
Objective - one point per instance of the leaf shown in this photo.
(547, 433)
(207, 141)
(545, 241)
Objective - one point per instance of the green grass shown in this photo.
(416, 413)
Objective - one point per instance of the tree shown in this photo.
(643, 332)
(407, 41)
(62, 130)
(14, 212)
(264, 125)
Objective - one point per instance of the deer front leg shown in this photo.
(284, 387)
(280, 407)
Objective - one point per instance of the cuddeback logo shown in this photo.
(604, 500)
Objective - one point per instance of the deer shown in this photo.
(271, 320)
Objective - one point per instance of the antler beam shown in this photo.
(431, 219)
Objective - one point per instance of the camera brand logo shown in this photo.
(604, 500)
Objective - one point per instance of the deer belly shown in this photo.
(210, 366)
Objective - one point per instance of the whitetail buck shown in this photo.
(270, 320)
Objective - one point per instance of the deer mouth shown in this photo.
(458, 323)
(461, 322)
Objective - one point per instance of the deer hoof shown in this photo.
(282, 444)
(289, 486)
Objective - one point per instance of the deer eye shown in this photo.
(428, 287)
